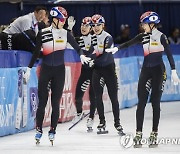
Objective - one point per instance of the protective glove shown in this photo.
(91, 63)
(112, 50)
(26, 75)
(174, 77)
(71, 22)
(85, 59)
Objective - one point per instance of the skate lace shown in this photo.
(153, 135)
(138, 135)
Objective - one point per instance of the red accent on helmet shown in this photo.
(86, 20)
(144, 15)
(63, 11)
(96, 19)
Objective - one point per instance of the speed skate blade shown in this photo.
(103, 132)
(153, 145)
(89, 130)
(138, 146)
(37, 142)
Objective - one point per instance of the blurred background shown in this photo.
(115, 12)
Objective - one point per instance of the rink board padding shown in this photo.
(18, 102)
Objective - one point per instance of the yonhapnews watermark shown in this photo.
(126, 141)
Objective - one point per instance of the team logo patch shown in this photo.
(53, 13)
(100, 46)
(59, 41)
(87, 47)
(154, 43)
(153, 18)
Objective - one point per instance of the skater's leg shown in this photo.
(82, 85)
(44, 78)
(57, 85)
(98, 91)
(90, 120)
(112, 87)
(92, 102)
(143, 92)
(158, 81)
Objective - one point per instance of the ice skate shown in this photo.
(77, 117)
(137, 140)
(89, 124)
(51, 135)
(153, 140)
(38, 135)
(102, 128)
(119, 129)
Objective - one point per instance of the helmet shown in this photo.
(97, 19)
(150, 17)
(86, 21)
(58, 12)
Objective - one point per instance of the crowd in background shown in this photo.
(123, 35)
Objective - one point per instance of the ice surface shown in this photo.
(79, 141)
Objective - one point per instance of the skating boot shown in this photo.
(51, 135)
(119, 129)
(38, 135)
(153, 140)
(137, 140)
(102, 127)
(77, 117)
(89, 124)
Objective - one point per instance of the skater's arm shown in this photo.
(141, 38)
(108, 43)
(164, 42)
(138, 39)
(73, 43)
(37, 50)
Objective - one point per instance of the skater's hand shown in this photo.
(71, 22)
(112, 50)
(85, 59)
(91, 63)
(174, 77)
(26, 75)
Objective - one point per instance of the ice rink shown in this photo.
(79, 141)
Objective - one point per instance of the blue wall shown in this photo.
(18, 101)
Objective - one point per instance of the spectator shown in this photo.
(45, 22)
(18, 41)
(125, 34)
(174, 37)
(2, 27)
(140, 29)
(26, 22)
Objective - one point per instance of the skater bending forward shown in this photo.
(153, 70)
